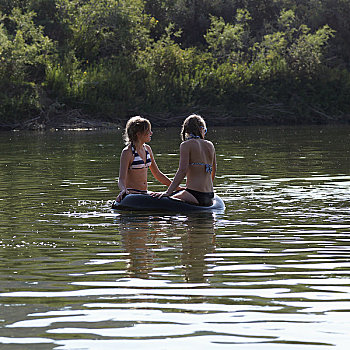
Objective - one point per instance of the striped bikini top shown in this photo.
(138, 162)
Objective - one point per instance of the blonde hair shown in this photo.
(192, 127)
(133, 126)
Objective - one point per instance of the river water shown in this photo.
(271, 272)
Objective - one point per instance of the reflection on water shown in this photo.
(272, 272)
(143, 237)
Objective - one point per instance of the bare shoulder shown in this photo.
(149, 150)
(127, 148)
(148, 147)
(186, 144)
(209, 143)
(126, 151)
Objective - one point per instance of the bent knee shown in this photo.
(186, 197)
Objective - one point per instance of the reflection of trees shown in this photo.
(142, 233)
(274, 151)
(50, 173)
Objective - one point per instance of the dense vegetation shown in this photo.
(239, 61)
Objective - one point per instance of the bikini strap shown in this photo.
(192, 136)
(208, 167)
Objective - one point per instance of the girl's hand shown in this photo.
(121, 195)
(159, 195)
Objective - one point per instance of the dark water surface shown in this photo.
(272, 272)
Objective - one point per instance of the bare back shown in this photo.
(200, 157)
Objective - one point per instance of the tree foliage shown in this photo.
(113, 58)
(24, 47)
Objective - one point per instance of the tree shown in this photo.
(100, 29)
(228, 42)
(24, 49)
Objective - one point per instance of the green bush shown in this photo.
(114, 58)
(18, 102)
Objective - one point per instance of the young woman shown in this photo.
(136, 158)
(197, 163)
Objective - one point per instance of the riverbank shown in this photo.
(116, 59)
(265, 115)
(72, 120)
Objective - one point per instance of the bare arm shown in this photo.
(155, 170)
(181, 171)
(214, 167)
(123, 171)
